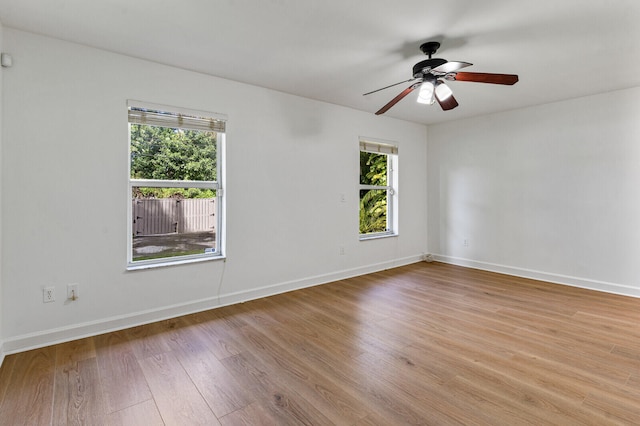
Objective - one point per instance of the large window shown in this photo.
(378, 190)
(174, 185)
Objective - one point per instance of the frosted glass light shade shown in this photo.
(425, 96)
(443, 91)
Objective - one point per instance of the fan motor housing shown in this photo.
(418, 69)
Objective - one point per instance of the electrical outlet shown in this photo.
(341, 251)
(72, 291)
(48, 294)
(465, 243)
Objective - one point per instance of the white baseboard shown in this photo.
(1, 353)
(603, 286)
(92, 328)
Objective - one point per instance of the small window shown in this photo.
(378, 193)
(174, 186)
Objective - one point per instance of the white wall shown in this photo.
(64, 191)
(1, 132)
(548, 192)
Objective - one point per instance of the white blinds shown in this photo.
(377, 147)
(174, 120)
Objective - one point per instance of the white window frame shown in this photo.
(216, 185)
(390, 149)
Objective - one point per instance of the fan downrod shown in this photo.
(429, 48)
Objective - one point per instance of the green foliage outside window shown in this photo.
(373, 203)
(172, 154)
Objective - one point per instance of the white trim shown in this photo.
(128, 203)
(378, 148)
(159, 183)
(44, 338)
(132, 265)
(377, 235)
(392, 192)
(180, 260)
(378, 141)
(179, 110)
(221, 230)
(607, 287)
(1, 353)
(376, 188)
(148, 117)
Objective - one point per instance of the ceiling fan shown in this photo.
(430, 75)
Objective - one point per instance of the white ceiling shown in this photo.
(336, 50)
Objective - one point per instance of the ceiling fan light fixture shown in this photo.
(443, 91)
(429, 78)
(425, 95)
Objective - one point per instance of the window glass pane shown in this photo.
(373, 168)
(172, 154)
(168, 222)
(373, 211)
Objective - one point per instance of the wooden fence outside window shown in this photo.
(157, 216)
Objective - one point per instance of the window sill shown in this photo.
(367, 237)
(137, 266)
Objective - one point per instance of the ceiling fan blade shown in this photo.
(397, 99)
(386, 87)
(451, 66)
(482, 77)
(447, 103)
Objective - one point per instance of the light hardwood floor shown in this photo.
(420, 344)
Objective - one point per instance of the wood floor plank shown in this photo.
(77, 399)
(247, 416)
(333, 401)
(145, 413)
(336, 302)
(624, 409)
(148, 340)
(185, 336)
(8, 365)
(282, 403)
(227, 318)
(177, 398)
(121, 378)
(528, 394)
(69, 353)
(29, 397)
(296, 319)
(376, 395)
(545, 347)
(209, 331)
(248, 371)
(216, 384)
(484, 411)
(634, 380)
(426, 343)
